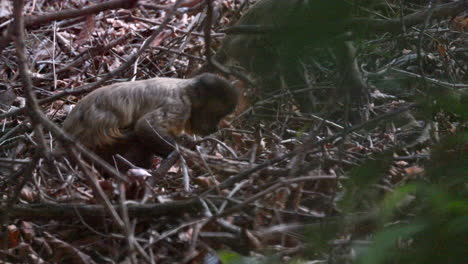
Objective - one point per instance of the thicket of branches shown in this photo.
(376, 181)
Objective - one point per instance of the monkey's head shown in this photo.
(212, 99)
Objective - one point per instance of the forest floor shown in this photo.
(274, 185)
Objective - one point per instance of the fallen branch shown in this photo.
(69, 211)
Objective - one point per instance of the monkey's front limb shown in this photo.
(157, 131)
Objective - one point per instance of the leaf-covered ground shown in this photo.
(276, 187)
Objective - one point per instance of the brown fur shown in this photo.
(137, 119)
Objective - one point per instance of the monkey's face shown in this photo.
(212, 98)
(205, 119)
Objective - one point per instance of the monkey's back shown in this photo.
(107, 114)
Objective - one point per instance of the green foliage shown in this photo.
(447, 100)
(229, 257)
(384, 242)
(436, 234)
(450, 164)
(430, 217)
(318, 237)
(423, 221)
(359, 190)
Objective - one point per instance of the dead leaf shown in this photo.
(156, 161)
(206, 181)
(414, 170)
(138, 173)
(28, 194)
(115, 64)
(87, 30)
(13, 236)
(406, 51)
(174, 169)
(28, 230)
(68, 108)
(460, 23)
(5, 8)
(190, 3)
(57, 104)
(401, 163)
(107, 187)
(442, 50)
(116, 23)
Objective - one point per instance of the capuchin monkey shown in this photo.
(142, 118)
